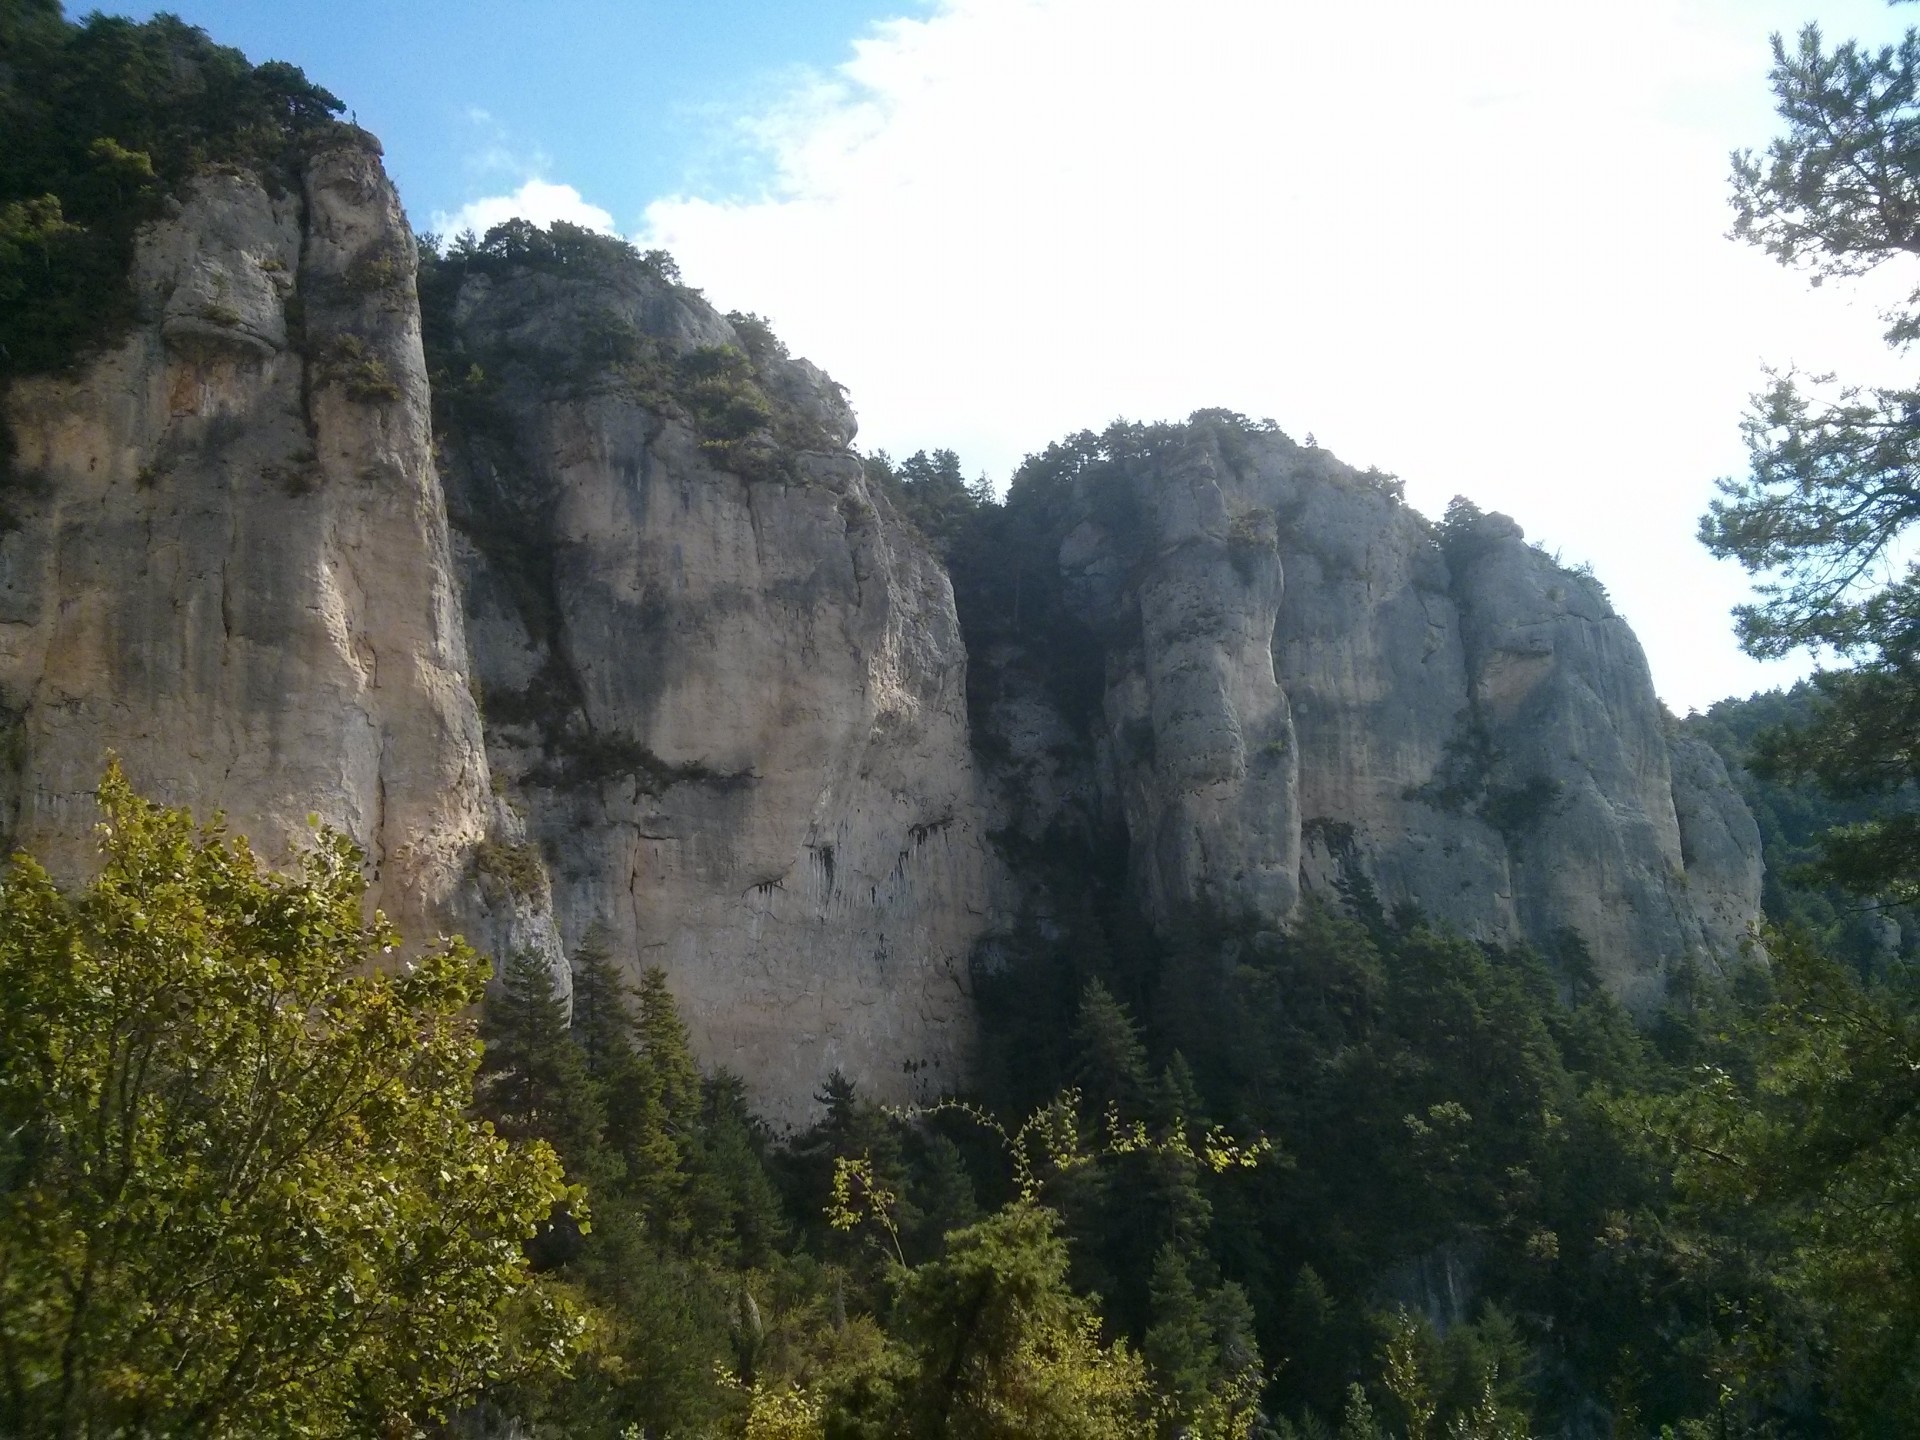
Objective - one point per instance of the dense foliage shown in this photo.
(1833, 492)
(1795, 1143)
(1359, 1174)
(240, 1190)
(1794, 814)
(738, 1284)
(1352, 1176)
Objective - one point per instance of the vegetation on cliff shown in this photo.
(723, 391)
(100, 123)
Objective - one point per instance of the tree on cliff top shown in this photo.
(241, 1192)
(1829, 506)
(99, 122)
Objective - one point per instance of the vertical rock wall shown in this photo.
(723, 684)
(726, 715)
(231, 565)
(1433, 720)
(731, 709)
(1206, 762)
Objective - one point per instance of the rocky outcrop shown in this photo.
(725, 715)
(609, 631)
(230, 560)
(1205, 763)
(730, 705)
(1302, 672)
(1719, 846)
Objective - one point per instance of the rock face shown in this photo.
(1206, 765)
(231, 562)
(608, 632)
(725, 716)
(732, 709)
(1303, 676)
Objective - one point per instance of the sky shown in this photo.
(1480, 245)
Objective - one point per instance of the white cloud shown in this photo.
(536, 200)
(1480, 246)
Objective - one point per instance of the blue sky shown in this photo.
(626, 101)
(1481, 245)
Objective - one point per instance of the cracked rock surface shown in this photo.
(1309, 688)
(232, 570)
(732, 710)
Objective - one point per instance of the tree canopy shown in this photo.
(99, 122)
(1826, 514)
(241, 1192)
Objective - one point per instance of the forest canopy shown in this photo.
(1363, 1174)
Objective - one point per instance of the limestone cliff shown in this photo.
(1303, 677)
(229, 560)
(723, 682)
(575, 608)
(725, 715)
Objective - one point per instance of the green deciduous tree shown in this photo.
(241, 1192)
(1006, 1349)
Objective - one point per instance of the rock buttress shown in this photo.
(722, 681)
(1304, 677)
(231, 564)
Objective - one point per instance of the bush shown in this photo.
(346, 361)
(517, 866)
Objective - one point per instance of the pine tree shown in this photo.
(1826, 516)
(1005, 1349)
(736, 1211)
(1179, 1344)
(668, 1052)
(604, 1030)
(1230, 1313)
(1110, 1063)
(603, 1015)
(852, 1129)
(1177, 1099)
(534, 1085)
(533, 1078)
(665, 1112)
(943, 1195)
